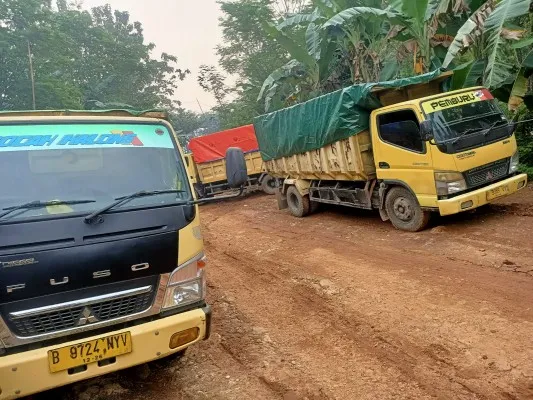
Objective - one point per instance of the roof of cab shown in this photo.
(159, 114)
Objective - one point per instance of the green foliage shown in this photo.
(519, 89)
(488, 33)
(213, 81)
(361, 37)
(468, 74)
(524, 138)
(498, 66)
(80, 58)
(249, 54)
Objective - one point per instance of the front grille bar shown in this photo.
(79, 303)
(487, 173)
(9, 338)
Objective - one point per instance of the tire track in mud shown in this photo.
(387, 348)
(442, 377)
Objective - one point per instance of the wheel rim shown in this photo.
(271, 183)
(403, 209)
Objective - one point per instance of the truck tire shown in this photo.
(268, 185)
(298, 205)
(404, 211)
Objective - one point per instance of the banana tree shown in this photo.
(422, 20)
(301, 78)
(519, 92)
(359, 27)
(363, 31)
(488, 34)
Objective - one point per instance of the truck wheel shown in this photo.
(298, 204)
(404, 211)
(268, 185)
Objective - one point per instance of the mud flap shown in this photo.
(383, 214)
(281, 199)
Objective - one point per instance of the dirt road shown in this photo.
(339, 305)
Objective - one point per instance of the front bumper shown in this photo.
(22, 374)
(479, 197)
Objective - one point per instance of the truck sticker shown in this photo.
(61, 136)
(454, 100)
(468, 154)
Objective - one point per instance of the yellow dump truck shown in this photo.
(102, 263)
(404, 147)
(207, 166)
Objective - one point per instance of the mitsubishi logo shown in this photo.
(489, 176)
(86, 317)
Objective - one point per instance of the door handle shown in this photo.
(384, 165)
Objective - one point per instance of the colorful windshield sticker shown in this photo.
(66, 136)
(442, 103)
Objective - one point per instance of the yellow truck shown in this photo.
(102, 263)
(208, 166)
(404, 147)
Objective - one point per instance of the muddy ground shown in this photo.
(340, 305)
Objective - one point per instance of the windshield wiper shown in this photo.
(485, 132)
(89, 219)
(40, 204)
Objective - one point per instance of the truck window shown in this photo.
(402, 129)
(94, 162)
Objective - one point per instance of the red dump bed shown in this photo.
(213, 147)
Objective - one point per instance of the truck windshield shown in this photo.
(80, 168)
(463, 114)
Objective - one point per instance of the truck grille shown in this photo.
(80, 314)
(487, 173)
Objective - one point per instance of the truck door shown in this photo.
(400, 154)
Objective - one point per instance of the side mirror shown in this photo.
(426, 130)
(236, 167)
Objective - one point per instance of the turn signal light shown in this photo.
(201, 263)
(180, 338)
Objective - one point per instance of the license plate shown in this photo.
(498, 192)
(89, 352)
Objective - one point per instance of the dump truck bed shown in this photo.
(215, 171)
(347, 159)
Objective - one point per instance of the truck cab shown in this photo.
(101, 252)
(454, 151)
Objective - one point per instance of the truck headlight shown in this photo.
(513, 165)
(449, 183)
(186, 284)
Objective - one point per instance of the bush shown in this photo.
(524, 139)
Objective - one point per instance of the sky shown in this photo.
(186, 29)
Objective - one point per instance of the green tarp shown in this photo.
(323, 120)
